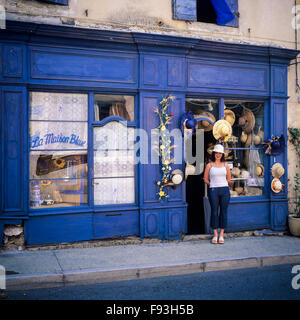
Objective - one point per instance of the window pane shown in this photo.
(58, 164)
(58, 135)
(113, 191)
(58, 193)
(58, 106)
(113, 105)
(247, 132)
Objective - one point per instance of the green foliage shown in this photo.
(295, 140)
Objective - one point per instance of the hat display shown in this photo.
(229, 116)
(235, 171)
(247, 120)
(207, 125)
(274, 146)
(277, 170)
(276, 185)
(239, 190)
(245, 174)
(259, 170)
(244, 137)
(222, 129)
(188, 121)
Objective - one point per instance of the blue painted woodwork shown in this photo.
(1, 232)
(234, 7)
(114, 224)
(148, 66)
(13, 108)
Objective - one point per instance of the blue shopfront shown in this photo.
(63, 89)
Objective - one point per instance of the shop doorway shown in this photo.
(195, 186)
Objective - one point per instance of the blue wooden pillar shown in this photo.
(278, 127)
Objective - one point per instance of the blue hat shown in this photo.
(274, 146)
(187, 121)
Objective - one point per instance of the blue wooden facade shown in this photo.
(63, 59)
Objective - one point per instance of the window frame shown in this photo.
(90, 206)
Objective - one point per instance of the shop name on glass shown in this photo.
(158, 309)
(50, 138)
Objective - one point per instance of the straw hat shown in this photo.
(177, 176)
(203, 124)
(277, 170)
(259, 138)
(245, 174)
(229, 116)
(235, 172)
(239, 190)
(222, 129)
(247, 120)
(276, 185)
(244, 137)
(259, 170)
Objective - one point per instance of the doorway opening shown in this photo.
(197, 220)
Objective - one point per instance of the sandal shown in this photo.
(214, 240)
(221, 240)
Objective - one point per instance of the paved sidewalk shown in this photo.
(61, 267)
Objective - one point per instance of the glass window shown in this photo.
(58, 149)
(114, 174)
(113, 105)
(244, 150)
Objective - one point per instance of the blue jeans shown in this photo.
(218, 197)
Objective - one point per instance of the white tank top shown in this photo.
(217, 177)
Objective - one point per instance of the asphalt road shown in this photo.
(267, 283)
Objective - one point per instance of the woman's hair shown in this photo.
(213, 157)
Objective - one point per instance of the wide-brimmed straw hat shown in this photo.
(206, 125)
(277, 170)
(222, 129)
(258, 138)
(189, 170)
(276, 185)
(247, 120)
(229, 116)
(259, 170)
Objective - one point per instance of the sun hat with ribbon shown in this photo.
(259, 170)
(276, 185)
(222, 129)
(229, 116)
(207, 120)
(277, 170)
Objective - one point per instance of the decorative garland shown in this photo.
(164, 149)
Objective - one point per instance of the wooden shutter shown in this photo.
(184, 10)
(60, 2)
(233, 5)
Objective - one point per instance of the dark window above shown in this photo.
(221, 12)
(60, 2)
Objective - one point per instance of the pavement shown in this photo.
(54, 267)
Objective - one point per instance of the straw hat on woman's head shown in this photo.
(247, 120)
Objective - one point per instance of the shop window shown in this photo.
(220, 12)
(244, 151)
(114, 169)
(58, 149)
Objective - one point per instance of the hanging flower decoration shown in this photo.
(164, 148)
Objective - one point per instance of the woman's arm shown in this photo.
(206, 174)
(228, 176)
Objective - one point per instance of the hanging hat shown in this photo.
(259, 170)
(188, 121)
(207, 125)
(274, 146)
(277, 170)
(177, 176)
(229, 116)
(258, 138)
(276, 185)
(247, 120)
(222, 129)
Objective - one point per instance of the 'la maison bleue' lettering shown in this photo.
(50, 138)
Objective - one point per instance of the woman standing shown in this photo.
(217, 176)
